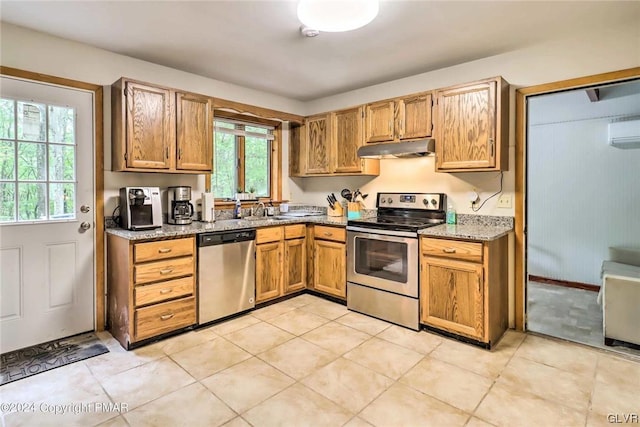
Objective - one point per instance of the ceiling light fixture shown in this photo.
(337, 15)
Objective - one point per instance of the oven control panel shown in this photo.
(422, 201)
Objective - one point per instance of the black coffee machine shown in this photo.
(179, 207)
(140, 208)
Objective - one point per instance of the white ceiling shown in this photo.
(257, 44)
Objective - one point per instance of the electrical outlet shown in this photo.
(504, 201)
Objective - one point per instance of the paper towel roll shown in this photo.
(208, 208)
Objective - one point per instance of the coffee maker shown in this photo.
(179, 207)
(140, 208)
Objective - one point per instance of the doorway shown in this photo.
(48, 213)
(572, 200)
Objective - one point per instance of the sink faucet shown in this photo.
(256, 208)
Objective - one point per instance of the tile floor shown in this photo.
(570, 314)
(310, 362)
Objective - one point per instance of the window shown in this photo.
(242, 158)
(37, 162)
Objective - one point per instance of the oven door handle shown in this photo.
(392, 236)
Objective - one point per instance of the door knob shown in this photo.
(84, 208)
(85, 225)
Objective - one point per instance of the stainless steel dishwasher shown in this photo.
(226, 274)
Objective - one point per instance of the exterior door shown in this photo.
(47, 218)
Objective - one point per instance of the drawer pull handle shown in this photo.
(166, 271)
(165, 291)
(449, 250)
(326, 233)
(164, 250)
(167, 316)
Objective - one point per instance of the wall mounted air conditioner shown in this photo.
(625, 134)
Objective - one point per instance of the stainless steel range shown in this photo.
(382, 256)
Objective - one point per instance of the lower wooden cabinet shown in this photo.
(280, 261)
(329, 261)
(151, 287)
(464, 287)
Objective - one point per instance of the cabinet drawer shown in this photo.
(161, 270)
(330, 233)
(295, 231)
(152, 251)
(164, 317)
(270, 234)
(162, 291)
(469, 251)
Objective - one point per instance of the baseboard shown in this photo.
(564, 283)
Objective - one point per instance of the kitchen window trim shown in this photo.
(275, 170)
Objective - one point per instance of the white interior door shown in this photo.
(47, 219)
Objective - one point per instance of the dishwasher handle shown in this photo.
(224, 237)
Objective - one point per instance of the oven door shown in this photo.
(383, 261)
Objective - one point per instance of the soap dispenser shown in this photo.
(451, 214)
(237, 211)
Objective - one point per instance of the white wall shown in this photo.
(583, 194)
(33, 51)
(598, 51)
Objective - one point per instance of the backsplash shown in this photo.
(485, 220)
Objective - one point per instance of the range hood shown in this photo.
(405, 149)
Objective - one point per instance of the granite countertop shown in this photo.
(467, 231)
(168, 230)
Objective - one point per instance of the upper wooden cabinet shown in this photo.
(399, 119)
(194, 132)
(328, 144)
(157, 129)
(472, 127)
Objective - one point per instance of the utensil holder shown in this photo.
(354, 210)
(336, 211)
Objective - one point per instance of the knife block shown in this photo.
(337, 211)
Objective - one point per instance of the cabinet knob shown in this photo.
(449, 250)
(165, 291)
(166, 271)
(328, 234)
(167, 316)
(164, 250)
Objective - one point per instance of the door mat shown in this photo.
(18, 364)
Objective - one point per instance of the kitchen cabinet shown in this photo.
(472, 127)
(151, 287)
(464, 287)
(280, 261)
(328, 145)
(399, 119)
(329, 260)
(158, 129)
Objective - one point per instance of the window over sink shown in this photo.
(243, 158)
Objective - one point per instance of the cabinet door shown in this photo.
(466, 127)
(268, 271)
(329, 268)
(348, 137)
(150, 127)
(296, 152)
(379, 118)
(194, 133)
(295, 273)
(414, 119)
(318, 145)
(452, 296)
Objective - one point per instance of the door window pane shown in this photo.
(7, 118)
(32, 121)
(224, 182)
(32, 201)
(7, 160)
(62, 201)
(32, 161)
(61, 125)
(7, 202)
(62, 162)
(256, 160)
